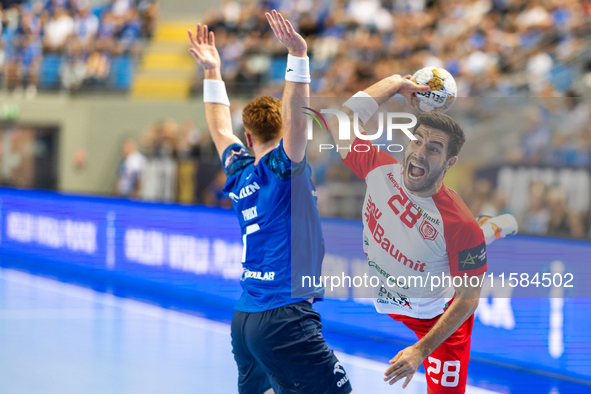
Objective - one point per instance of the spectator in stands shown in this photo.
(98, 66)
(149, 14)
(29, 23)
(480, 41)
(558, 224)
(10, 20)
(22, 65)
(58, 30)
(86, 24)
(576, 115)
(576, 225)
(537, 136)
(74, 65)
(160, 180)
(107, 32)
(118, 30)
(537, 216)
(538, 68)
(131, 170)
(188, 136)
(130, 32)
(49, 6)
(583, 154)
(120, 7)
(214, 195)
(208, 166)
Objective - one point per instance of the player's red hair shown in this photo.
(262, 118)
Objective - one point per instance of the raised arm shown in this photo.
(217, 105)
(365, 103)
(294, 122)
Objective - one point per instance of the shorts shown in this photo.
(447, 366)
(283, 349)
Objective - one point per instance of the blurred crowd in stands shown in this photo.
(172, 162)
(492, 47)
(544, 208)
(540, 171)
(556, 132)
(69, 44)
(545, 179)
(546, 185)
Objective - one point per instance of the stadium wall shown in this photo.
(173, 8)
(184, 9)
(99, 125)
(193, 253)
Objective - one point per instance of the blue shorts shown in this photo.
(283, 349)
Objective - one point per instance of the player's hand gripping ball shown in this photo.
(443, 90)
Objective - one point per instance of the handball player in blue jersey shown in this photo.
(276, 339)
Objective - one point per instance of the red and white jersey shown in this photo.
(409, 236)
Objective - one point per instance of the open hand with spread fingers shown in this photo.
(404, 365)
(284, 31)
(203, 48)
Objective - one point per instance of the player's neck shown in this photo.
(428, 193)
(260, 150)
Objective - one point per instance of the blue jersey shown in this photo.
(277, 209)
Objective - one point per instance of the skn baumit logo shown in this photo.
(345, 124)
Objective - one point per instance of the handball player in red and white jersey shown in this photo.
(415, 226)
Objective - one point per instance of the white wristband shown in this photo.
(362, 104)
(298, 69)
(489, 233)
(214, 91)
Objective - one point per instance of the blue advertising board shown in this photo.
(195, 251)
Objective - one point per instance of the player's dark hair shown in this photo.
(262, 118)
(446, 124)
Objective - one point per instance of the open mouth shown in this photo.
(415, 171)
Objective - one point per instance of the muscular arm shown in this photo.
(295, 93)
(381, 92)
(462, 307)
(408, 361)
(217, 115)
(294, 124)
(219, 119)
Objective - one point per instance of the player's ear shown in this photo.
(249, 139)
(451, 162)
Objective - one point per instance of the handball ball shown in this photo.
(443, 90)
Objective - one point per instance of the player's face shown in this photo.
(425, 161)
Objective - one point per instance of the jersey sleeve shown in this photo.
(465, 243)
(364, 157)
(235, 159)
(281, 165)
